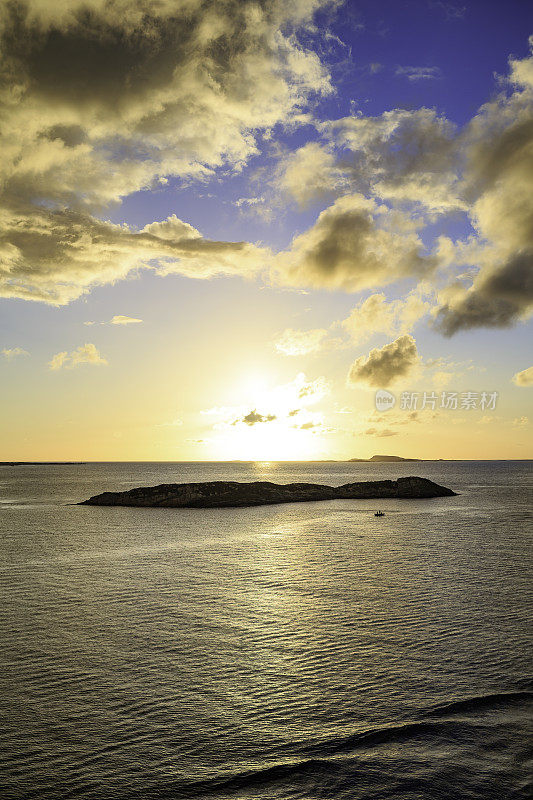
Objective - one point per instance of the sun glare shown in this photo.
(270, 443)
(276, 424)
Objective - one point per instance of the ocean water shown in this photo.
(302, 651)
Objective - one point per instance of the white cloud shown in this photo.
(441, 378)
(380, 432)
(174, 423)
(376, 315)
(419, 73)
(249, 201)
(299, 343)
(11, 353)
(309, 174)
(84, 354)
(120, 319)
(117, 319)
(524, 378)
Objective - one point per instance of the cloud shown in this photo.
(103, 99)
(422, 166)
(274, 404)
(249, 201)
(100, 100)
(419, 73)
(55, 256)
(11, 353)
(120, 319)
(299, 343)
(175, 423)
(216, 411)
(84, 354)
(498, 297)
(253, 418)
(402, 156)
(522, 69)
(441, 378)
(524, 378)
(385, 365)
(376, 315)
(380, 432)
(371, 316)
(308, 392)
(450, 10)
(350, 247)
(180, 87)
(309, 174)
(117, 319)
(498, 148)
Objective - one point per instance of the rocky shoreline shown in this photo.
(234, 494)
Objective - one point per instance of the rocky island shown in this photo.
(232, 494)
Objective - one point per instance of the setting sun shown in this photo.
(278, 422)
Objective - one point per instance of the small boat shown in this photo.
(379, 514)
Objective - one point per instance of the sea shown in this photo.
(308, 651)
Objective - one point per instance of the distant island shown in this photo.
(221, 494)
(40, 463)
(382, 458)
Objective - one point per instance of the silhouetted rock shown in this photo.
(383, 458)
(218, 494)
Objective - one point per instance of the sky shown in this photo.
(229, 229)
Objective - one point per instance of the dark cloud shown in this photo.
(497, 182)
(497, 299)
(254, 418)
(404, 156)
(55, 255)
(352, 247)
(384, 365)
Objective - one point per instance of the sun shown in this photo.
(275, 423)
(267, 442)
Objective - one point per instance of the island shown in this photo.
(41, 463)
(234, 494)
(381, 459)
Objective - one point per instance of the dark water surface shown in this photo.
(299, 651)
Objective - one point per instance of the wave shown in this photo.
(427, 728)
(325, 762)
(485, 702)
(386, 735)
(329, 757)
